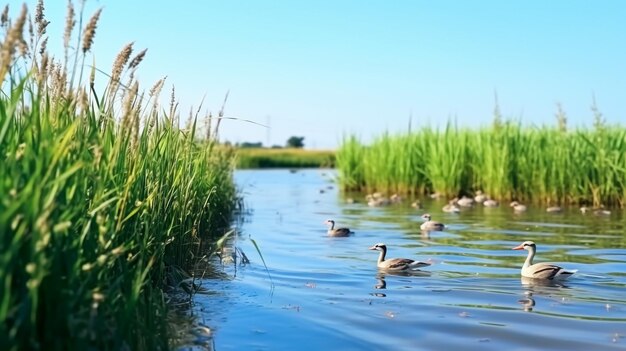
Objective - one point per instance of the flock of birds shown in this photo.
(544, 271)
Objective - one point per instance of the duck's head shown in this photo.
(514, 203)
(330, 221)
(526, 245)
(426, 216)
(379, 247)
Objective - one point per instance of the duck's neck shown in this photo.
(381, 256)
(529, 258)
(332, 225)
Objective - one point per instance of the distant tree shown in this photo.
(276, 147)
(296, 142)
(248, 145)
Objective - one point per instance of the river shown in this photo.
(317, 292)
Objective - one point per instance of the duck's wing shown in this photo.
(397, 263)
(340, 232)
(547, 271)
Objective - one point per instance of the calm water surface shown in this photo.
(326, 293)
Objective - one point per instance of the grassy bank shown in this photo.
(284, 158)
(507, 161)
(102, 197)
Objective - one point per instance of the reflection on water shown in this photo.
(326, 293)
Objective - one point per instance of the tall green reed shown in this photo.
(101, 195)
(552, 165)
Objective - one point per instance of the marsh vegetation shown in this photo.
(508, 161)
(104, 199)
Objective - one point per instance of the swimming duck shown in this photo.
(430, 224)
(465, 201)
(451, 208)
(339, 231)
(517, 207)
(395, 264)
(596, 211)
(554, 209)
(540, 270)
(480, 197)
(490, 203)
(417, 205)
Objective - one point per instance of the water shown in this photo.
(326, 293)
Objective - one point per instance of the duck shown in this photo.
(395, 199)
(435, 195)
(517, 207)
(395, 264)
(339, 231)
(596, 211)
(376, 200)
(430, 224)
(542, 270)
(465, 201)
(451, 208)
(417, 204)
(490, 203)
(480, 197)
(554, 209)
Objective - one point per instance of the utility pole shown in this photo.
(268, 131)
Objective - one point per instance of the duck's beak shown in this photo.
(518, 247)
(373, 248)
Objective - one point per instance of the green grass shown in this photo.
(101, 197)
(284, 158)
(507, 161)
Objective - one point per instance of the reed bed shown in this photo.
(104, 200)
(550, 165)
(284, 158)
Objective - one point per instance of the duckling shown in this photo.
(490, 203)
(417, 205)
(480, 197)
(596, 211)
(517, 207)
(431, 225)
(435, 195)
(395, 264)
(465, 202)
(451, 208)
(554, 209)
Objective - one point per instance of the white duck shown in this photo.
(339, 231)
(490, 203)
(465, 201)
(517, 207)
(480, 197)
(395, 264)
(540, 270)
(431, 225)
(451, 208)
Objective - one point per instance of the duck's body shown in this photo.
(596, 211)
(395, 264)
(451, 208)
(377, 199)
(554, 209)
(465, 201)
(480, 197)
(431, 225)
(490, 203)
(542, 270)
(517, 207)
(337, 231)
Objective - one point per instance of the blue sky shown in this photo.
(321, 69)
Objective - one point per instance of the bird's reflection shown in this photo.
(538, 287)
(381, 282)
